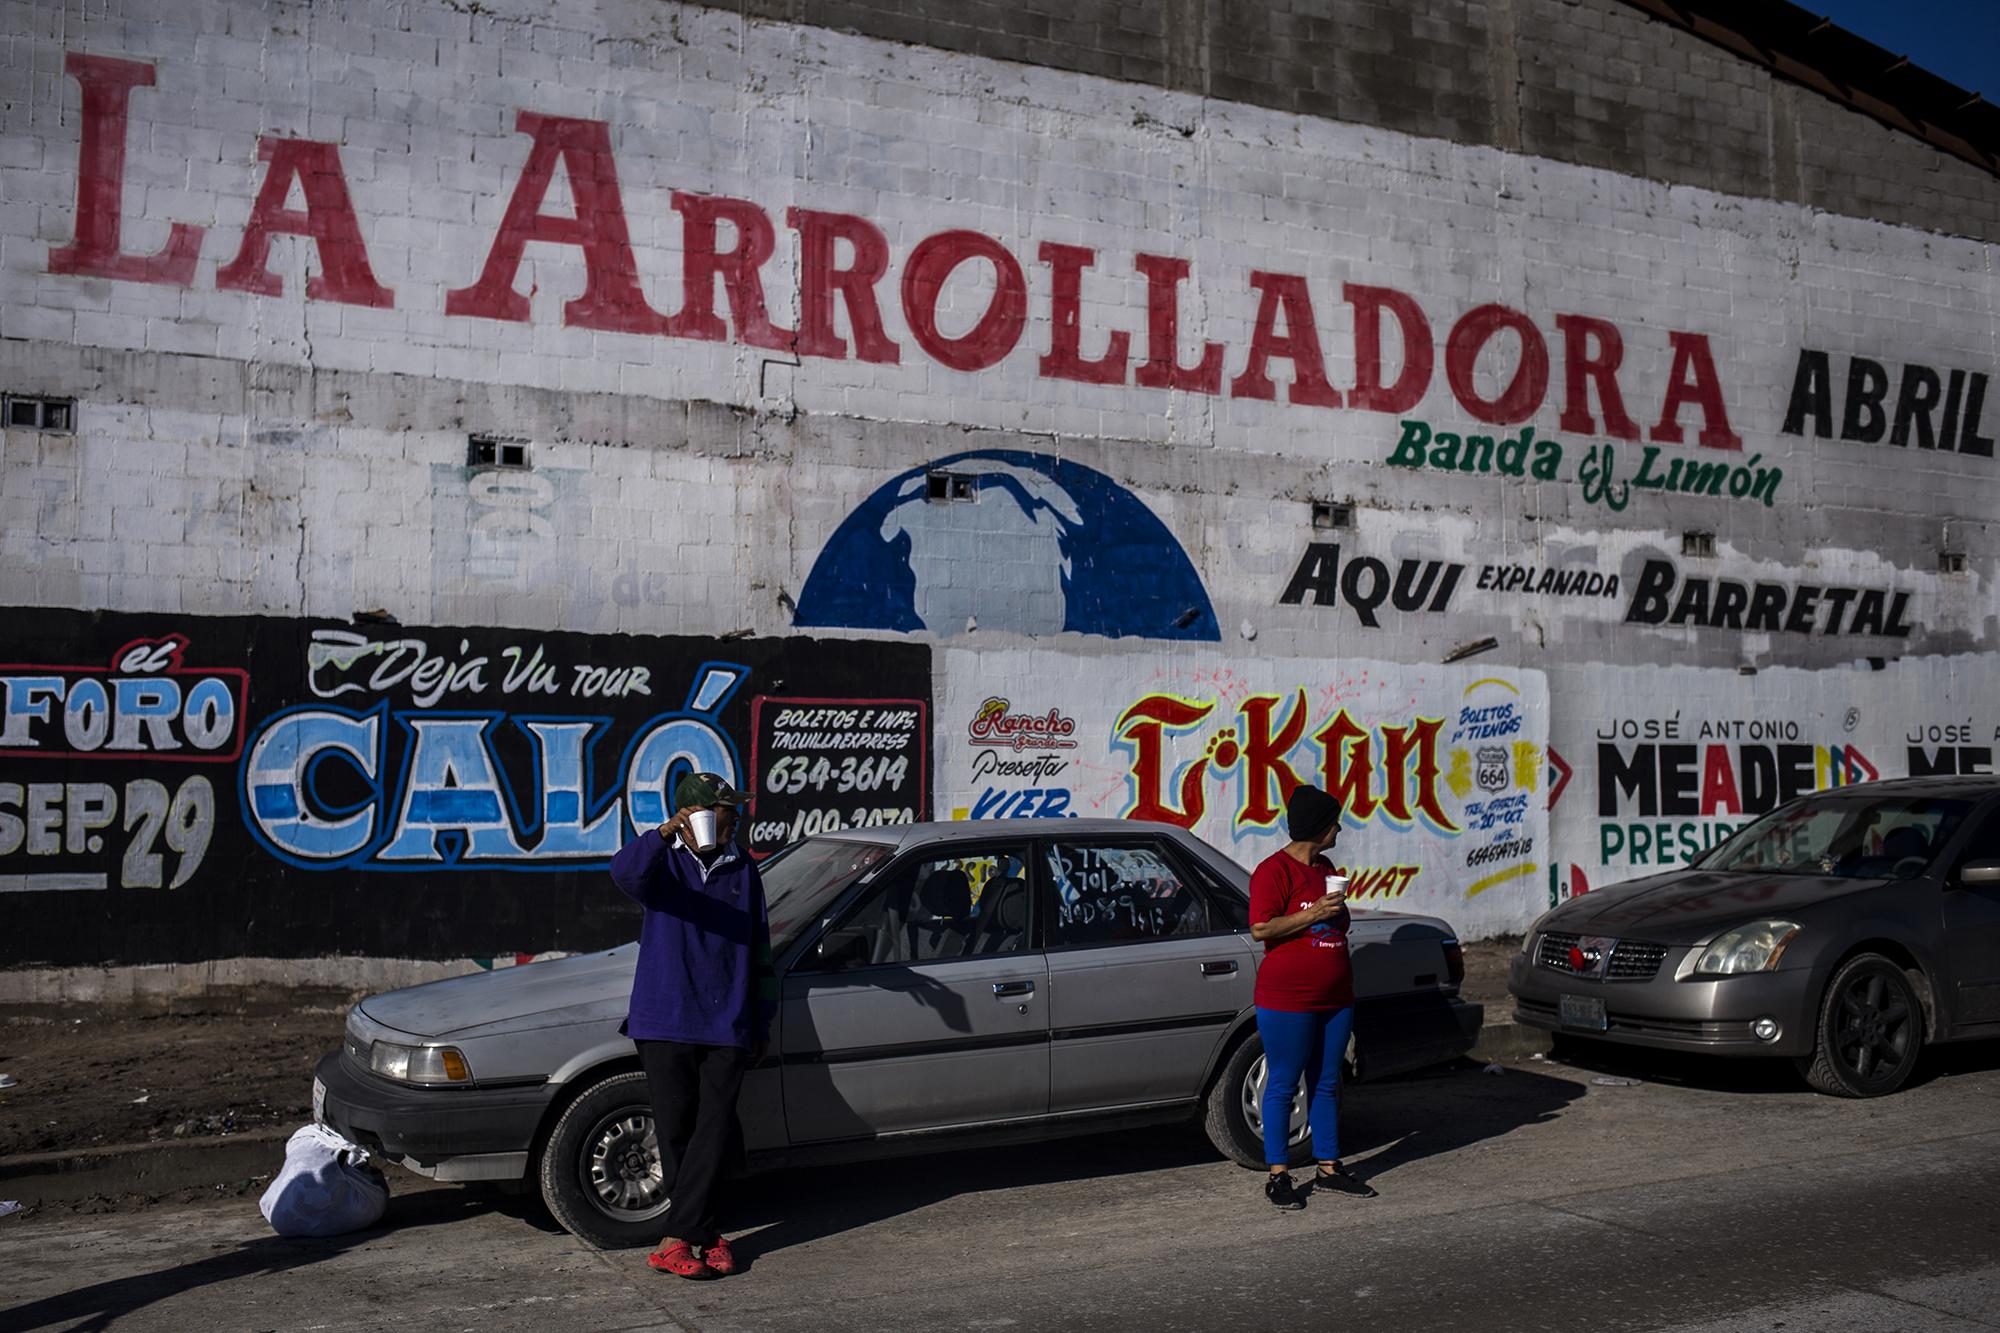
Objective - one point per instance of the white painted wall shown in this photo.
(239, 452)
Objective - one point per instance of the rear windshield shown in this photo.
(802, 880)
(1849, 835)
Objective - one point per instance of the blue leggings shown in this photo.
(1313, 1044)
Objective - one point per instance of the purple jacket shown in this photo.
(704, 971)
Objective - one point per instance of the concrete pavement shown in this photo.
(1707, 1196)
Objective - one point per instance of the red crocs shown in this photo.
(719, 1257)
(678, 1259)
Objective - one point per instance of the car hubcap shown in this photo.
(1253, 1105)
(621, 1167)
(1874, 1029)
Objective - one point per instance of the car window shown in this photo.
(802, 880)
(1118, 893)
(1985, 844)
(961, 904)
(1854, 836)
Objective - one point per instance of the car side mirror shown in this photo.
(1977, 874)
(839, 949)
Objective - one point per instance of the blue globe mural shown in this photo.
(1040, 545)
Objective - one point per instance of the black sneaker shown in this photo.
(1342, 1181)
(1282, 1193)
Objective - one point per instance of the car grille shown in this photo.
(1630, 959)
(1553, 951)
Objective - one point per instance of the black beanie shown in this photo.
(1309, 813)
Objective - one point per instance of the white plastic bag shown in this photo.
(326, 1187)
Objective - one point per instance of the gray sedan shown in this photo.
(942, 985)
(1844, 930)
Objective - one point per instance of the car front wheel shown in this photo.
(1871, 1029)
(1233, 1111)
(599, 1171)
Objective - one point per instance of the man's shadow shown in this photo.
(102, 1304)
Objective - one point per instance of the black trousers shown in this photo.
(693, 1089)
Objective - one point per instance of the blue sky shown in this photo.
(1955, 39)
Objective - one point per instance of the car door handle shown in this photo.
(1218, 968)
(1006, 988)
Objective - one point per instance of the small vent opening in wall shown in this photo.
(1698, 543)
(486, 451)
(1328, 515)
(1951, 562)
(947, 487)
(28, 412)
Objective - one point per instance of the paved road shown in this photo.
(1708, 1197)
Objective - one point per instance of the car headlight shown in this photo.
(419, 1064)
(1752, 948)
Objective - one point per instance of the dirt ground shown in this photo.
(97, 1079)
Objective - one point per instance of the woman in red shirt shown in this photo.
(1305, 992)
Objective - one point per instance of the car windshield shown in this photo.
(1850, 835)
(800, 881)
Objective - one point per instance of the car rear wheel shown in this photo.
(1233, 1112)
(600, 1168)
(1871, 1029)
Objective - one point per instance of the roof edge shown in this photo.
(1817, 53)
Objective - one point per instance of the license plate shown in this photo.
(319, 1101)
(1582, 1011)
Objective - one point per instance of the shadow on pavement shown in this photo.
(102, 1304)
(1401, 1120)
(1437, 1110)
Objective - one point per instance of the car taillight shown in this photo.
(1454, 961)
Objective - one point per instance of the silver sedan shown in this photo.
(942, 985)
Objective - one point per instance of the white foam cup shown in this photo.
(701, 826)
(1336, 884)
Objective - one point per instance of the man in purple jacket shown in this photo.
(702, 1002)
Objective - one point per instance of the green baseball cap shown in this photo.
(706, 789)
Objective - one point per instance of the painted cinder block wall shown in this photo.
(1588, 339)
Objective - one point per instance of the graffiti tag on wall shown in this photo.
(304, 788)
(1438, 770)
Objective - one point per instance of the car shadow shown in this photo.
(1753, 1077)
(784, 1213)
(1395, 1121)
(102, 1304)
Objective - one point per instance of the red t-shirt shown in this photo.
(1309, 971)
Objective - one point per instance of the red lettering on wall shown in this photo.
(1583, 367)
(1264, 756)
(611, 297)
(1370, 394)
(1523, 394)
(1285, 293)
(1692, 380)
(1065, 359)
(1718, 783)
(1162, 368)
(1400, 745)
(740, 268)
(328, 219)
(107, 84)
(1347, 766)
(930, 264)
(820, 279)
(1143, 726)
